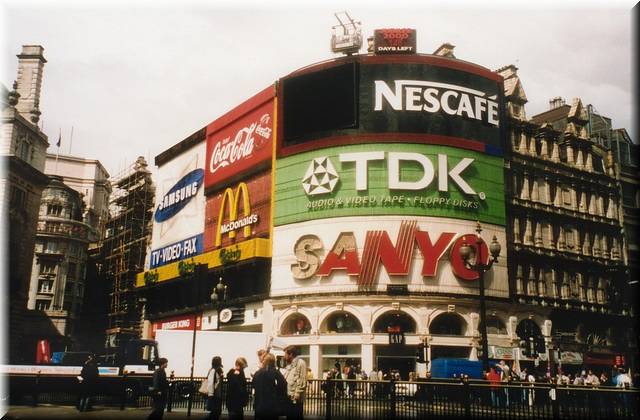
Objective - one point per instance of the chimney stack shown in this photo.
(556, 102)
(30, 68)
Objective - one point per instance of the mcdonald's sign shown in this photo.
(240, 212)
(231, 202)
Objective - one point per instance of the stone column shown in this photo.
(516, 230)
(589, 165)
(366, 361)
(579, 162)
(537, 236)
(547, 191)
(574, 197)
(535, 193)
(570, 157)
(528, 234)
(531, 282)
(524, 194)
(586, 244)
(544, 151)
(555, 153)
(315, 360)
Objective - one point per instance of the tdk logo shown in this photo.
(321, 176)
(426, 96)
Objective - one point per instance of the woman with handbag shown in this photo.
(214, 388)
(237, 396)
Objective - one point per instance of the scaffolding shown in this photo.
(127, 234)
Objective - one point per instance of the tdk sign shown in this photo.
(179, 195)
(432, 97)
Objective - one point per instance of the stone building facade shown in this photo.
(91, 180)
(23, 152)
(566, 242)
(58, 283)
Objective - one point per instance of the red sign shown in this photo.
(238, 213)
(43, 353)
(379, 250)
(395, 41)
(184, 322)
(243, 143)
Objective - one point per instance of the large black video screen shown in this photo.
(319, 102)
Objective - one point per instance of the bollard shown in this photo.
(36, 391)
(553, 393)
(170, 396)
(392, 395)
(466, 396)
(329, 392)
(123, 394)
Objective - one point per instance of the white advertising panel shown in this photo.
(347, 254)
(178, 218)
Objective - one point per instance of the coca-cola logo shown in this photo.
(254, 136)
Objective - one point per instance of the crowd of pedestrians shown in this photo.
(276, 393)
(502, 379)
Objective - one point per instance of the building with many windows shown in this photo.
(58, 283)
(23, 152)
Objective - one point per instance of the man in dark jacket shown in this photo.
(88, 379)
(159, 390)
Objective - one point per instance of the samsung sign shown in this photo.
(179, 195)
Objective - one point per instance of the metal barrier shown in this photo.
(339, 399)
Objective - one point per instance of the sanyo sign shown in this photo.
(432, 97)
(321, 176)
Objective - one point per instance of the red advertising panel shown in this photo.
(238, 213)
(183, 322)
(240, 141)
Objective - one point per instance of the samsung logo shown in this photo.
(432, 97)
(179, 195)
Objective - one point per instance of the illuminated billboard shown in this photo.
(240, 142)
(178, 219)
(388, 179)
(238, 213)
(428, 99)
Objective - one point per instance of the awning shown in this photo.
(602, 359)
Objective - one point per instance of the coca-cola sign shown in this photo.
(239, 147)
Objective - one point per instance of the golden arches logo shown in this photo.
(231, 201)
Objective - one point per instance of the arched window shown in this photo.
(295, 324)
(448, 324)
(495, 325)
(394, 319)
(341, 323)
(527, 328)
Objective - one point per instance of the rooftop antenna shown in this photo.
(347, 35)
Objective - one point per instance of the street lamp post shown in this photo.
(472, 257)
(219, 296)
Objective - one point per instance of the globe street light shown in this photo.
(219, 296)
(472, 257)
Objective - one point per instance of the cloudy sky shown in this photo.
(135, 78)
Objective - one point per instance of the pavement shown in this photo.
(46, 411)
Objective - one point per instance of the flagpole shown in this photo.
(58, 151)
(70, 140)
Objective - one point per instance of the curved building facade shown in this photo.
(373, 203)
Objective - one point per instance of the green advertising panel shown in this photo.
(390, 179)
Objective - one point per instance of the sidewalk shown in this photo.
(69, 412)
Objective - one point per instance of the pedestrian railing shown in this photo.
(339, 399)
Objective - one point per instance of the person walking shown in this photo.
(270, 390)
(88, 379)
(159, 390)
(296, 377)
(237, 390)
(214, 388)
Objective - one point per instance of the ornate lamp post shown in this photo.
(219, 296)
(472, 257)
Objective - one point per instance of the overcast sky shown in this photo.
(136, 78)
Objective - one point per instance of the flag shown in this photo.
(59, 138)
